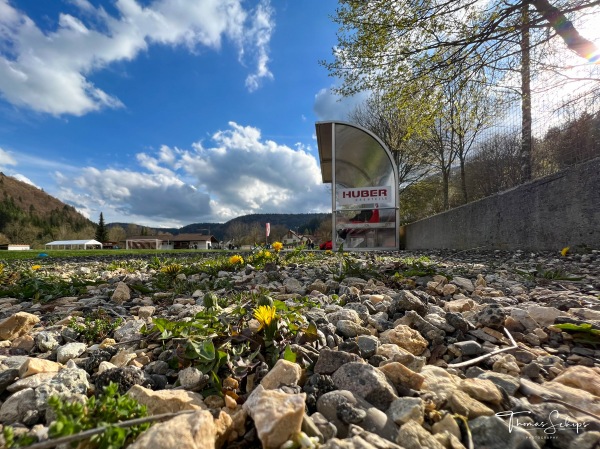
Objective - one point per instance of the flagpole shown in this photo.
(267, 232)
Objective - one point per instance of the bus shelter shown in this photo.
(364, 181)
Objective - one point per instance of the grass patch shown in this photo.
(66, 253)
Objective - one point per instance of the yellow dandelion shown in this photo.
(564, 251)
(172, 269)
(266, 254)
(36, 267)
(237, 259)
(265, 315)
(277, 246)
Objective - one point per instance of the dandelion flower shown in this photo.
(564, 251)
(171, 269)
(36, 267)
(237, 259)
(277, 246)
(265, 315)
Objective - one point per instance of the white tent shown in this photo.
(74, 244)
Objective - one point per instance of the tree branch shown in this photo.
(565, 29)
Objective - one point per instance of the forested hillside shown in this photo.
(246, 229)
(29, 215)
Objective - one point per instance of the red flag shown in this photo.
(268, 229)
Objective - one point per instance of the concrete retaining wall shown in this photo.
(559, 210)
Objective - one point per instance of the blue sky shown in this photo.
(168, 112)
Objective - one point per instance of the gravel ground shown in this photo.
(438, 349)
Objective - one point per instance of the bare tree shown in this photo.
(496, 166)
(395, 127)
(117, 234)
(402, 47)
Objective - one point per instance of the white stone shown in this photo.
(463, 283)
(283, 373)
(190, 431)
(17, 325)
(166, 401)
(544, 316)
(277, 415)
(69, 351)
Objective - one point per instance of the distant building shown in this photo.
(74, 244)
(181, 241)
(294, 239)
(14, 247)
(149, 242)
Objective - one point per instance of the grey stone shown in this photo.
(439, 322)
(492, 432)
(457, 321)
(464, 283)
(509, 383)
(16, 407)
(367, 382)
(292, 285)
(47, 340)
(492, 316)
(7, 377)
(69, 383)
(432, 333)
(349, 329)
(344, 314)
(405, 409)
(403, 301)
(380, 321)
(329, 361)
(466, 348)
(326, 427)
(69, 351)
(361, 309)
(130, 330)
(374, 420)
(192, 378)
(367, 344)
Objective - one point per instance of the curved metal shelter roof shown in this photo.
(364, 182)
(361, 157)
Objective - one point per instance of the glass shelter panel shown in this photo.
(363, 175)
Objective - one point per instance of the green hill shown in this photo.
(29, 215)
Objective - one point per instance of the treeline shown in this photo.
(244, 230)
(496, 166)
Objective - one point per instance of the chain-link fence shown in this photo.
(565, 131)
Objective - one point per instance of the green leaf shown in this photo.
(311, 330)
(280, 305)
(583, 327)
(289, 355)
(208, 350)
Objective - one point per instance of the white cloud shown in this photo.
(47, 70)
(246, 174)
(24, 179)
(236, 173)
(260, 34)
(329, 106)
(6, 159)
